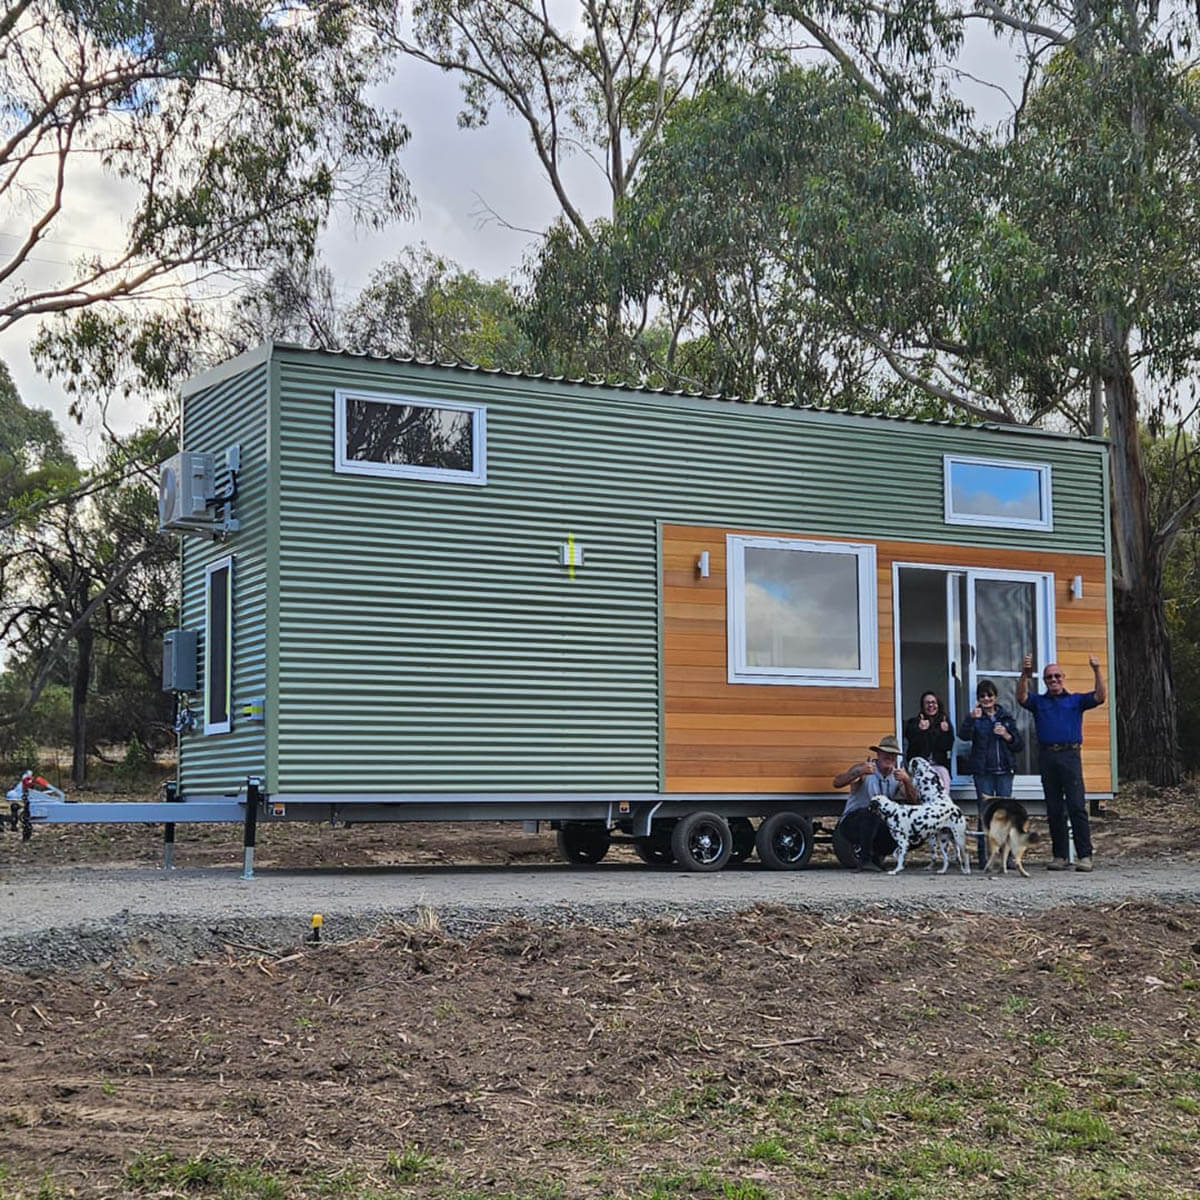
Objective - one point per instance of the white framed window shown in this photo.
(377, 434)
(218, 645)
(997, 492)
(802, 613)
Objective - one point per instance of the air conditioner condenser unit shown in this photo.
(186, 488)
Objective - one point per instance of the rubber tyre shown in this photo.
(654, 851)
(743, 838)
(583, 842)
(845, 851)
(785, 841)
(702, 841)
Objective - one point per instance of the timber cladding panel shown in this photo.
(723, 737)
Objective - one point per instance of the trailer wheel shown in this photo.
(583, 842)
(701, 841)
(785, 841)
(655, 850)
(743, 838)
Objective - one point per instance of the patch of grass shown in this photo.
(165, 1172)
(932, 1160)
(539, 1191)
(1186, 1104)
(346, 1181)
(769, 1150)
(744, 1190)
(108, 1088)
(406, 1165)
(47, 1189)
(1076, 1129)
(924, 1109)
(670, 1184)
(1016, 1004)
(897, 1189)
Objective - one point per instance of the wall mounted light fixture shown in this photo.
(702, 564)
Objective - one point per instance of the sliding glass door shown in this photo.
(956, 626)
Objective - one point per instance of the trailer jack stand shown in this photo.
(249, 830)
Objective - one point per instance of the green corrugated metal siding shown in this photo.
(229, 413)
(429, 640)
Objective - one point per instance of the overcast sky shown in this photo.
(456, 175)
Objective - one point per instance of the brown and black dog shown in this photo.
(1007, 824)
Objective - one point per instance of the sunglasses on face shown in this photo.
(1052, 675)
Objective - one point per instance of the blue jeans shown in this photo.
(992, 785)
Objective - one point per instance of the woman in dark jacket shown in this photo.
(995, 740)
(929, 734)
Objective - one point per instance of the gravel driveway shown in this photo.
(73, 916)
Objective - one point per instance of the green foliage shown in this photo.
(33, 458)
(404, 1166)
(135, 763)
(202, 1174)
(46, 723)
(234, 130)
(87, 587)
(424, 306)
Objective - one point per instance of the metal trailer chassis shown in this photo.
(697, 832)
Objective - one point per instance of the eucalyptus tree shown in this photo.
(1037, 271)
(219, 136)
(589, 77)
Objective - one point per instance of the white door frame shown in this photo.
(1046, 633)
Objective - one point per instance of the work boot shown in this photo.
(1083, 864)
(1058, 864)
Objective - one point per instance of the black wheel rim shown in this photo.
(706, 844)
(790, 842)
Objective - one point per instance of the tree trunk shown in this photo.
(1147, 744)
(79, 695)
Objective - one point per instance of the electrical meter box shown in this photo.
(179, 660)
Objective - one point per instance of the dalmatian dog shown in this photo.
(936, 814)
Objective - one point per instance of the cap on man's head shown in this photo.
(887, 745)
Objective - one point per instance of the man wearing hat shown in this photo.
(860, 835)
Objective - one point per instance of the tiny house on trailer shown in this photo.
(415, 591)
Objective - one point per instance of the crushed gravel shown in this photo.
(137, 917)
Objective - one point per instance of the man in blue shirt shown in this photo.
(1058, 719)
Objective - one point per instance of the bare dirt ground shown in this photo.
(773, 1054)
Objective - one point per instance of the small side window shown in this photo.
(218, 646)
(996, 492)
(442, 441)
